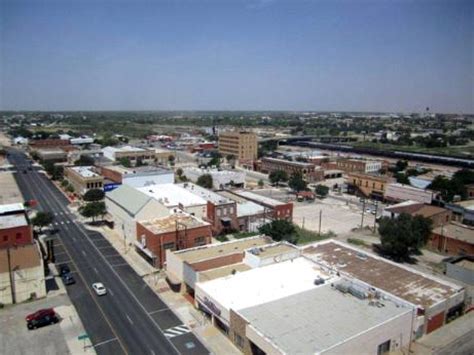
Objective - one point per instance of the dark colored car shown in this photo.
(41, 318)
(68, 279)
(64, 269)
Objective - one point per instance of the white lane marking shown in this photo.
(152, 352)
(111, 292)
(89, 239)
(95, 270)
(83, 253)
(104, 342)
(158, 310)
(62, 222)
(129, 319)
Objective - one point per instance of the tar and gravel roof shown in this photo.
(172, 222)
(13, 221)
(317, 319)
(410, 285)
(9, 191)
(84, 171)
(259, 198)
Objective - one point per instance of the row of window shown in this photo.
(224, 211)
(94, 185)
(197, 242)
(17, 237)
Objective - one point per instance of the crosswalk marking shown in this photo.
(176, 331)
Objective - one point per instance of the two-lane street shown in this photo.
(131, 318)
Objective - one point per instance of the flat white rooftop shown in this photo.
(12, 221)
(11, 207)
(84, 171)
(259, 198)
(264, 284)
(319, 319)
(206, 194)
(171, 195)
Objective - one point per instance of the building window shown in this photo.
(168, 245)
(5, 238)
(199, 241)
(238, 340)
(383, 348)
(218, 212)
(18, 236)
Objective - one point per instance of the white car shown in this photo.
(99, 288)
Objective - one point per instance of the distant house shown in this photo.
(453, 239)
(439, 216)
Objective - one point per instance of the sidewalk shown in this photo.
(213, 339)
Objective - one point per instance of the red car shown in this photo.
(41, 318)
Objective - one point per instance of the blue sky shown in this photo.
(349, 55)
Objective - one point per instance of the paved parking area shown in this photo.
(337, 216)
(54, 339)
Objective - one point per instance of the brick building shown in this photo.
(48, 143)
(221, 211)
(308, 171)
(15, 228)
(83, 178)
(134, 154)
(241, 144)
(439, 216)
(358, 165)
(273, 209)
(372, 186)
(174, 232)
(453, 239)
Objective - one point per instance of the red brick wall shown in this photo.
(218, 262)
(435, 322)
(284, 211)
(48, 143)
(450, 246)
(154, 242)
(10, 237)
(112, 175)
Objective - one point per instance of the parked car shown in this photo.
(41, 318)
(68, 279)
(64, 269)
(99, 288)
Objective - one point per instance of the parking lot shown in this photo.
(53, 339)
(340, 214)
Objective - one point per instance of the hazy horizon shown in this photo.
(260, 56)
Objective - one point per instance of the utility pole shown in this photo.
(363, 211)
(320, 216)
(375, 216)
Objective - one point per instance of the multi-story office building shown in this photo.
(83, 178)
(243, 145)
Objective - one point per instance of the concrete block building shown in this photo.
(241, 144)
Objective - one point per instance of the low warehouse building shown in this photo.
(434, 299)
(138, 176)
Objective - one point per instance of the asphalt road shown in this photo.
(130, 319)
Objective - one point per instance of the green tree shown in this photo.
(70, 188)
(403, 236)
(179, 172)
(278, 176)
(280, 230)
(205, 181)
(125, 162)
(84, 160)
(94, 195)
(321, 190)
(260, 183)
(402, 178)
(171, 159)
(42, 219)
(93, 210)
(64, 183)
(297, 182)
(401, 165)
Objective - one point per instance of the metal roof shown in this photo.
(128, 198)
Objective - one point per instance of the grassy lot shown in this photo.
(463, 150)
(305, 236)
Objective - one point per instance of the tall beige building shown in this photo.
(243, 145)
